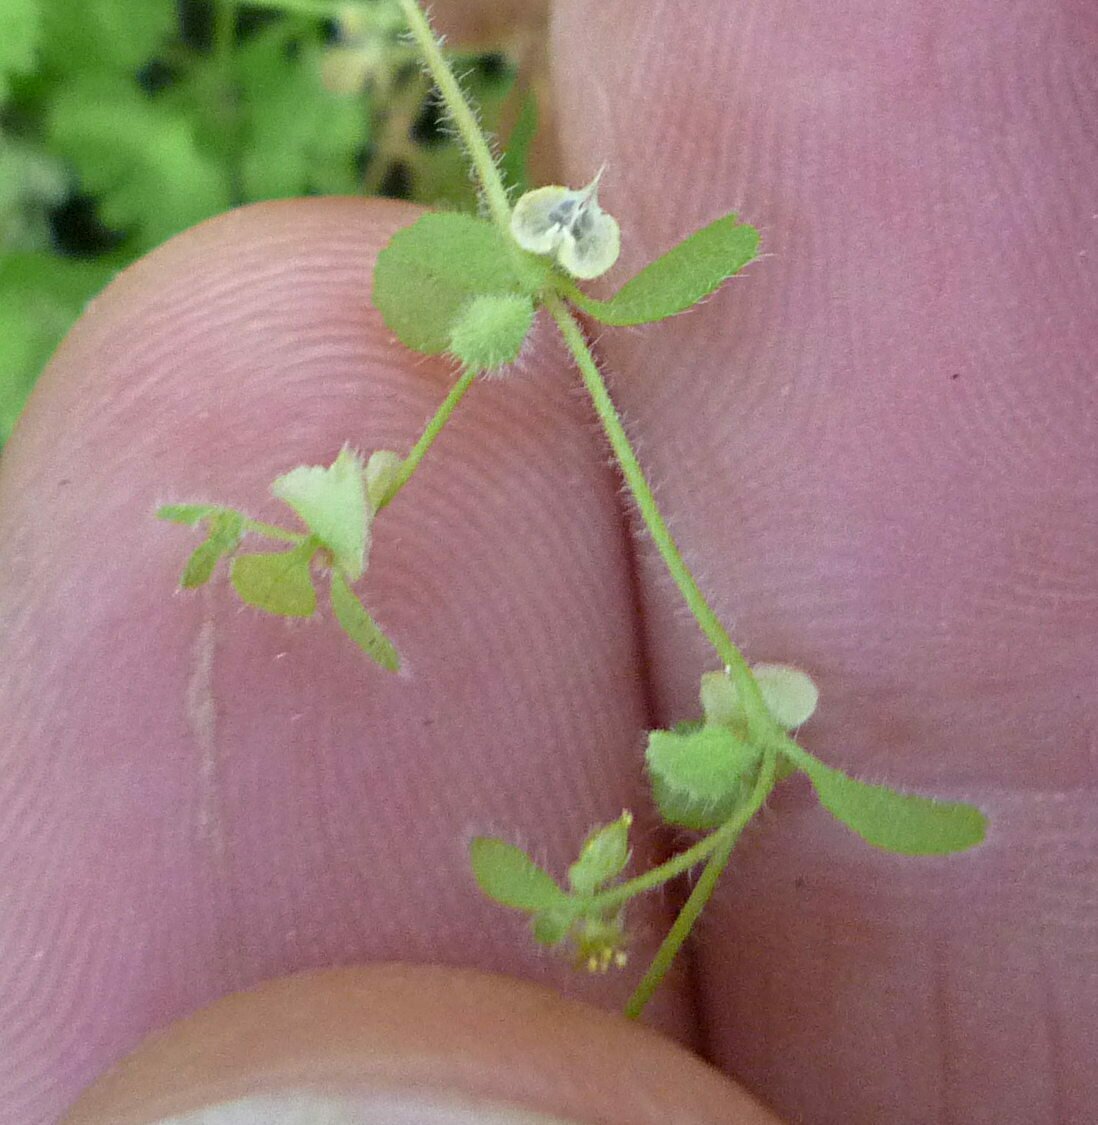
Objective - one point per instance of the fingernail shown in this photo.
(373, 1108)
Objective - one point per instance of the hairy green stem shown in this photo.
(271, 531)
(430, 432)
(656, 876)
(725, 837)
(758, 716)
(463, 116)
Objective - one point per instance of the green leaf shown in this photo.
(360, 626)
(20, 30)
(82, 36)
(896, 822)
(320, 9)
(603, 856)
(720, 701)
(331, 500)
(279, 582)
(41, 295)
(140, 157)
(680, 278)
(515, 163)
(296, 136)
(429, 271)
(789, 694)
(551, 927)
(699, 777)
(226, 531)
(508, 875)
(382, 471)
(491, 329)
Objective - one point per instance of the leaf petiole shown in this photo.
(427, 438)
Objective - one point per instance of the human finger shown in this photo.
(877, 445)
(418, 1045)
(196, 797)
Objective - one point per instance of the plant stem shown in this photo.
(758, 716)
(657, 876)
(273, 532)
(463, 116)
(725, 837)
(226, 110)
(430, 432)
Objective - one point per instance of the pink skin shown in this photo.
(877, 446)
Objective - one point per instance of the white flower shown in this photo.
(570, 225)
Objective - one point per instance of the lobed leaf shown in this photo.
(698, 776)
(680, 278)
(360, 626)
(896, 822)
(279, 582)
(331, 501)
(508, 875)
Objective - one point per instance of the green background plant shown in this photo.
(122, 123)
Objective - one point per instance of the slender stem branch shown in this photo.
(757, 714)
(271, 531)
(462, 113)
(430, 432)
(726, 837)
(657, 876)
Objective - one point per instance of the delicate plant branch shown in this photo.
(710, 625)
(722, 841)
(427, 438)
(619, 894)
(469, 288)
(495, 194)
(272, 531)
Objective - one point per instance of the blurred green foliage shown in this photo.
(122, 122)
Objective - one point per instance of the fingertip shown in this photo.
(388, 1041)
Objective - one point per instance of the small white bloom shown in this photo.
(570, 225)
